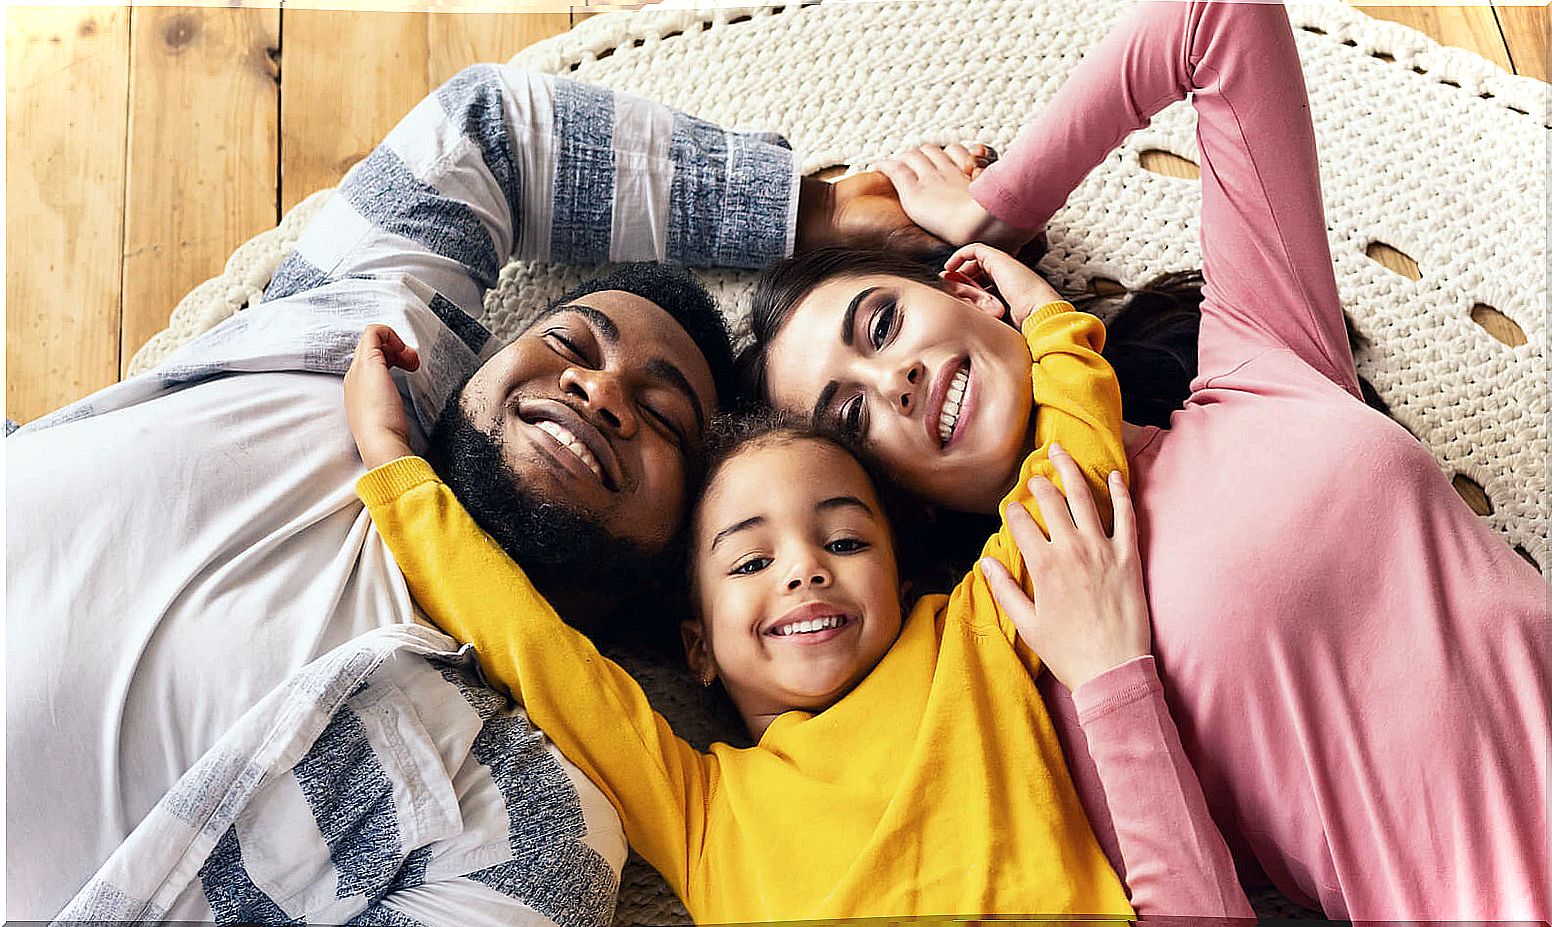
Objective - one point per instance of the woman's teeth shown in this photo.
(956, 394)
(569, 442)
(810, 626)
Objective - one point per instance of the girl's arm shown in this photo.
(1091, 629)
(1265, 255)
(591, 708)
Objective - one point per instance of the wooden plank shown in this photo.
(203, 137)
(347, 77)
(1525, 30)
(1470, 27)
(457, 40)
(66, 84)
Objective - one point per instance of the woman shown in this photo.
(1356, 662)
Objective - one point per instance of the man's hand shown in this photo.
(1089, 614)
(1021, 288)
(934, 188)
(372, 403)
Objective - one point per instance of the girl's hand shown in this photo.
(372, 403)
(1089, 614)
(1020, 287)
(934, 188)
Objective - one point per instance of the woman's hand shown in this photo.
(989, 268)
(934, 188)
(372, 403)
(1089, 614)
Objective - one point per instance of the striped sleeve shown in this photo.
(501, 163)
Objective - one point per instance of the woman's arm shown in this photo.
(1265, 255)
(1091, 628)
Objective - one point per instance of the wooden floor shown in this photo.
(145, 143)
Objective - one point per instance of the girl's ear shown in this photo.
(697, 651)
(960, 286)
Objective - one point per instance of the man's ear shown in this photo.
(981, 299)
(697, 651)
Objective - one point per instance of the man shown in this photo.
(184, 542)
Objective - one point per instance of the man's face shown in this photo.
(599, 408)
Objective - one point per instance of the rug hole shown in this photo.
(1315, 29)
(1484, 95)
(1528, 558)
(739, 19)
(1472, 491)
(1418, 70)
(1518, 110)
(1449, 83)
(1393, 260)
(832, 173)
(1498, 325)
(606, 53)
(1105, 286)
(1384, 56)
(1169, 165)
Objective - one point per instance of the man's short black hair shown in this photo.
(677, 292)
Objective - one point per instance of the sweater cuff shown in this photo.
(1045, 311)
(388, 482)
(999, 200)
(1135, 680)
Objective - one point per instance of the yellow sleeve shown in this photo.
(1077, 405)
(591, 708)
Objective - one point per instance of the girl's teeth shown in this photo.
(810, 625)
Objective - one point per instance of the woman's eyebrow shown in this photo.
(849, 317)
(734, 529)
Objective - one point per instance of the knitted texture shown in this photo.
(1433, 151)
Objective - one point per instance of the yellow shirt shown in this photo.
(935, 787)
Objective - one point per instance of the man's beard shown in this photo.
(564, 552)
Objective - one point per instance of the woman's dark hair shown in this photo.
(1150, 340)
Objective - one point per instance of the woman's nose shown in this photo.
(902, 387)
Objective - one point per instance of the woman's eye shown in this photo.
(751, 566)
(851, 417)
(882, 325)
(846, 546)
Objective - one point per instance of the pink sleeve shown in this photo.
(1171, 855)
(1265, 256)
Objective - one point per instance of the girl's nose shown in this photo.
(813, 577)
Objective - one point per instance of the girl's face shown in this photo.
(795, 578)
(934, 384)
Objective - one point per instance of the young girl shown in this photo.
(904, 766)
(1357, 662)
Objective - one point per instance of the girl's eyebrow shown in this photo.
(841, 502)
(734, 529)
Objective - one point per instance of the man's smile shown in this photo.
(572, 441)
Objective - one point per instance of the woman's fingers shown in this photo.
(1053, 510)
(1031, 543)
(1080, 499)
(1125, 535)
(1010, 596)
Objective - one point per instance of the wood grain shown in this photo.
(1525, 30)
(66, 83)
(203, 146)
(457, 40)
(347, 78)
(1471, 27)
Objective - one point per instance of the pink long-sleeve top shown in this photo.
(1358, 665)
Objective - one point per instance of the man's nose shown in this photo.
(603, 392)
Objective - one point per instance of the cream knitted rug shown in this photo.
(1430, 151)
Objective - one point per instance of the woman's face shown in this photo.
(934, 384)
(795, 578)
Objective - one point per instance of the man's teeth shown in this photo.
(569, 442)
(956, 395)
(810, 626)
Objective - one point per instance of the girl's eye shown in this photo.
(882, 324)
(846, 546)
(751, 566)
